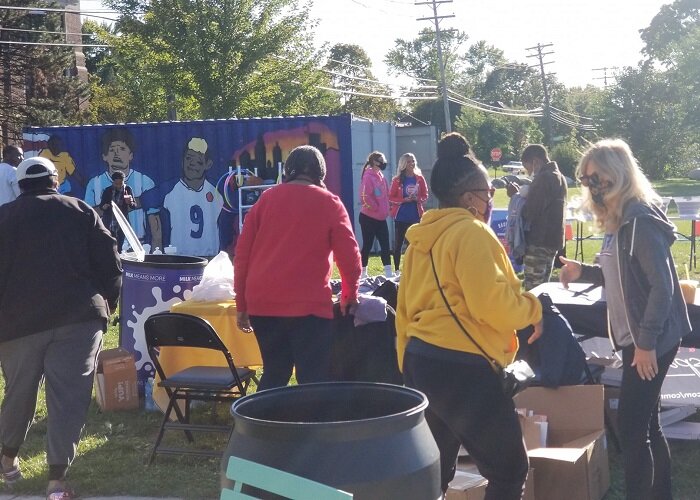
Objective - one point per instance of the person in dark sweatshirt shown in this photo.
(647, 316)
(543, 215)
(60, 277)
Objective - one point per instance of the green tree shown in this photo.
(672, 39)
(417, 58)
(646, 110)
(656, 106)
(348, 67)
(218, 59)
(39, 87)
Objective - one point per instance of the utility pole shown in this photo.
(436, 20)
(547, 112)
(605, 69)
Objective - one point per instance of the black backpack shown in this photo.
(556, 357)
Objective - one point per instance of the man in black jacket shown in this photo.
(123, 197)
(60, 277)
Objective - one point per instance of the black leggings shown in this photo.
(400, 229)
(372, 228)
(645, 454)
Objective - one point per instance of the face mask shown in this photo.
(382, 166)
(598, 189)
(487, 212)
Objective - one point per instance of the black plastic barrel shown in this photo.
(365, 438)
(150, 287)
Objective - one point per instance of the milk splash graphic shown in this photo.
(143, 361)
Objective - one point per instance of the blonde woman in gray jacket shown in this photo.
(647, 316)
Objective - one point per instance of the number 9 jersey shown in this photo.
(193, 219)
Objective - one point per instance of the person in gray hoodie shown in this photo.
(647, 316)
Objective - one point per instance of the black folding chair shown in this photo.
(195, 383)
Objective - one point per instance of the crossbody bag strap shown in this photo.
(492, 361)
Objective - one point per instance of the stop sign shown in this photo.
(496, 154)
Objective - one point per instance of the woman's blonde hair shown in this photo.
(403, 164)
(615, 160)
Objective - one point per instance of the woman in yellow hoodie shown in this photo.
(467, 405)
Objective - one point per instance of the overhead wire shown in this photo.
(379, 9)
(571, 114)
(382, 96)
(369, 69)
(475, 103)
(486, 110)
(49, 9)
(356, 81)
(564, 121)
(2, 28)
(56, 44)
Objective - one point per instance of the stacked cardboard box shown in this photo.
(468, 484)
(574, 463)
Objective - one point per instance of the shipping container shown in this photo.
(175, 168)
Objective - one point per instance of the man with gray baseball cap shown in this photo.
(60, 277)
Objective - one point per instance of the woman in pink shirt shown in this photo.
(283, 266)
(407, 194)
(374, 202)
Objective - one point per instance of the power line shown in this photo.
(565, 121)
(372, 7)
(340, 91)
(45, 31)
(605, 74)
(48, 44)
(572, 114)
(536, 111)
(41, 10)
(486, 110)
(352, 77)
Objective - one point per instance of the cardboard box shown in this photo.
(534, 429)
(468, 484)
(574, 465)
(115, 383)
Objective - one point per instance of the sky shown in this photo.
(586, 34)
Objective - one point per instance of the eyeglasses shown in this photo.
(593, 181)
(491, 191)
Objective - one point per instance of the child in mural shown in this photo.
(190, 207)
(118, 152)
(55, 151)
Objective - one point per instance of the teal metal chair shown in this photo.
(275, 481)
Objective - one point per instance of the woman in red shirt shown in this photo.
(283, 266)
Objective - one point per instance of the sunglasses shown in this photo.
(593, 181)
(491, 191)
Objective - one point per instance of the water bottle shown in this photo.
(149, 404)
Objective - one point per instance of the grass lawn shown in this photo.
(111, 457)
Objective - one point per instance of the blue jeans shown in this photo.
(288, 342)
(647, 460)
(468, 407)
